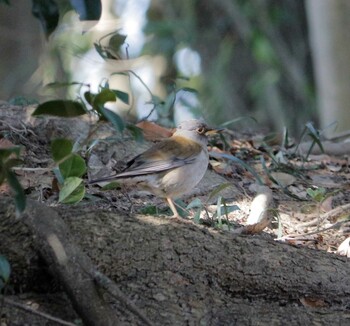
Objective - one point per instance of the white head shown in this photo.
(195, 130)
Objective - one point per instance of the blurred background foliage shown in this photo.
(254, 55)
(244, 58)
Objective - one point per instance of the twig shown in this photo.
(17, 168)
(331, 215)
(106, 283)
(68, 263)
(301, 236)
(38, 313)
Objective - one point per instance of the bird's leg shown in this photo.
(173, 208)
(176, 215)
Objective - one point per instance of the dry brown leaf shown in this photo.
(326, 181)
(327, 204)
(5, 143)
(312, 302)
(154, 132)
(4, 188)
(34, 179)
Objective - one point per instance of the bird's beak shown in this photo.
(213, 131)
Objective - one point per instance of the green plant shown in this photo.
(222, 209)
(9, 157)
(70, 166)
(318, 194)
(5, 271)
(69, 170)
(315, 135)
(282, 160)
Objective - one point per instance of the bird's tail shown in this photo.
(104, 179)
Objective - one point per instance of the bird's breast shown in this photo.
(183, 179)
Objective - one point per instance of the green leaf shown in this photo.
(318, 194)
(218, 189)
(74, 166)
(73, 191)
(218, 211)
(5, 269)
(237, 160)
(89, 97)
(61, 148)
(60, 108)
(58, 174)
(227, 209)
(10, 163)
(197, 216)
(100, 50)
(106, 95)
(156, 100)
(2, 174)
(113, 185)
(136, 132)
(195, 203)
(149, 210)
(20, 198)
(66, 84)
(315, 135)
(116, 41)
(181, 207)
(188, 89)
(6, 152)
(114, 118)
(124, 97)
(169, 103)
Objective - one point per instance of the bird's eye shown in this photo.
(201, 130)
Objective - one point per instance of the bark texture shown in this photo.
(178, 273)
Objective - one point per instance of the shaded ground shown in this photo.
(186, 273)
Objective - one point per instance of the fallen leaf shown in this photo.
(5, 143)
(154, 132)
(326, 181)
(260, 215)
(312, 302)
(326, 205)
(343, 249)
(284, 179)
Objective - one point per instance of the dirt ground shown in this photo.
(286, 212)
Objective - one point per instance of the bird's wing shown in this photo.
(166, 155)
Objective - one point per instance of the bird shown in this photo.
(171, 167)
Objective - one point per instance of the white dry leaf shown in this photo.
(344, 248)
(259, 217)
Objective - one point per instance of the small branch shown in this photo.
(68, 264)
(107, 284)
(17, 168)
(38, 313)
(333, 214)
(296, 236)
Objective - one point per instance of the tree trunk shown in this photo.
(180, 273)
(329, 24)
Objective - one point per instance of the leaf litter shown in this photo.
(292, 214)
